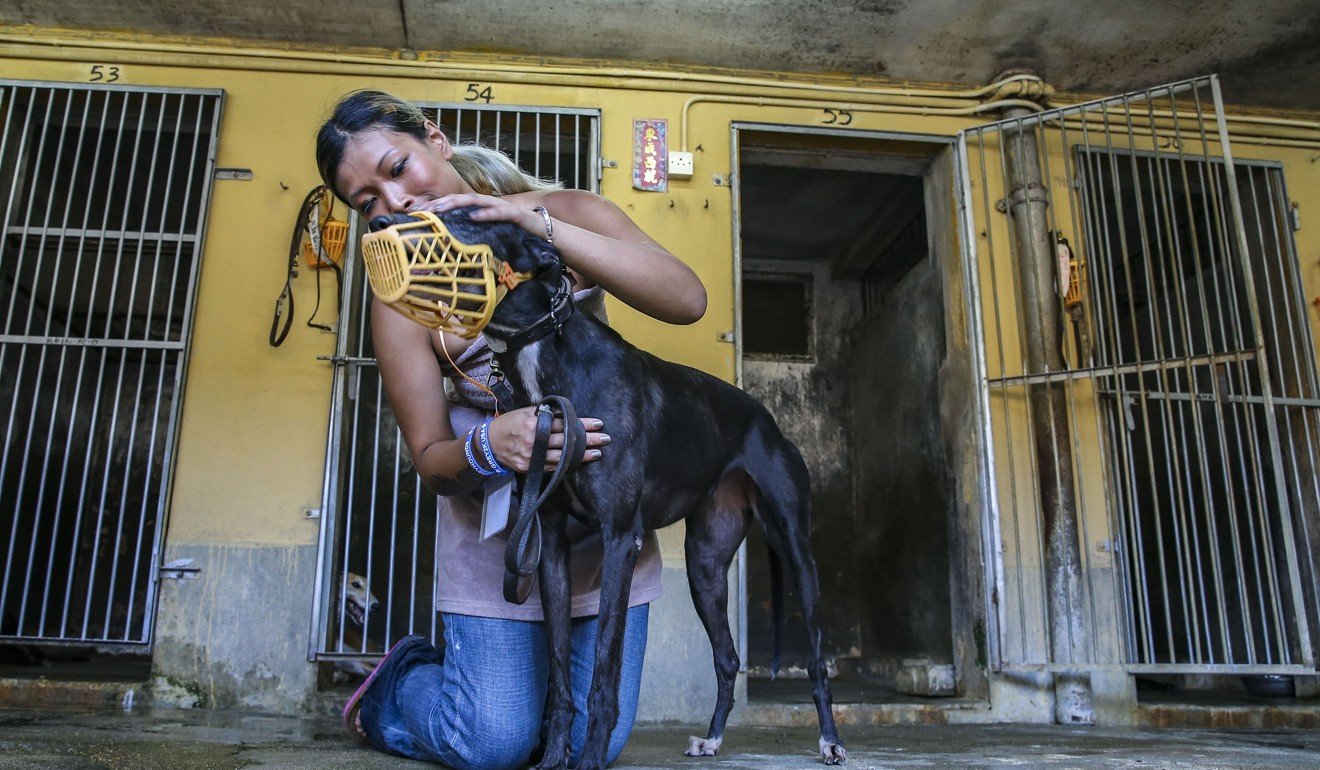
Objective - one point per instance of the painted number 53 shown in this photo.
(103, 73)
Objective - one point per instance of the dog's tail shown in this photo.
(776, 610)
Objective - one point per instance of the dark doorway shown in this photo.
(843, 337)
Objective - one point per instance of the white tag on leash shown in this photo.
(495, 508)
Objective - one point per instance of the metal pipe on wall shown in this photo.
(1042, 324)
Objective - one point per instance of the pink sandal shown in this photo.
(354, 704)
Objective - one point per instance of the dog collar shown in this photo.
(561, 307)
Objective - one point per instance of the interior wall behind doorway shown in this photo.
(809, 400)
(903, 481)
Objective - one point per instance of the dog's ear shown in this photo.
(542, 255)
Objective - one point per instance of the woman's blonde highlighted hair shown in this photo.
(487, 171)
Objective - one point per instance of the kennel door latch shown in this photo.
(343, 360)
(179, 569)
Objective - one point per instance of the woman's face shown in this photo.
(385, 172)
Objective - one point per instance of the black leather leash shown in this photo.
(523, 553)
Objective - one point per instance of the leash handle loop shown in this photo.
(522, 555)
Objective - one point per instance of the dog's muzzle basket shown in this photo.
(421, 270)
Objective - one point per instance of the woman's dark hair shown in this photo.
(487, 171)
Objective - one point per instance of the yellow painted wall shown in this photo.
(252, 442)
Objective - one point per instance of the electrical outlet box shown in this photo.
(680, 165)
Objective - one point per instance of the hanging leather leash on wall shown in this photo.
(321, 239)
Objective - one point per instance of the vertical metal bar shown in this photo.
(1142, 397)
(78, 378)
(1108, 485)
(995, 293)
(1190, 565)
(374, 496)
(1225, 341)
(416, 532)
(1221, 236)
(1014, 281)
(209, 106)
(86, 471)
(992, 536)
(1174, 259)
(1267, 394)
(127, 481)
(38, 386)
(394, 535)
(1303, 373)
(1067, 471)
(318, 638)
(148, 458)
(56, 512)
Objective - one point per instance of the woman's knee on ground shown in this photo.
(489, 745)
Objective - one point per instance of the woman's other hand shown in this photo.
(491, 209)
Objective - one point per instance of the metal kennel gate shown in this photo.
(1148, 392)
(378, 523)
(104, 193)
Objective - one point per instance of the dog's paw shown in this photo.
(547, 764)
(554, 756)
(833, 753)
(703, 747)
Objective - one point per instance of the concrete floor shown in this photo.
(167, 739)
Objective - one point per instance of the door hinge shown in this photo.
(1295, 217)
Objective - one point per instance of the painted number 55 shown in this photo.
(836, 117)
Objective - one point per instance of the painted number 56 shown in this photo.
(103, 73)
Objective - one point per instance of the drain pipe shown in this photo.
(1040, 310)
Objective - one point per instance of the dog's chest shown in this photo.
(527, 365)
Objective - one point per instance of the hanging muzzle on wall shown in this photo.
(420, 269)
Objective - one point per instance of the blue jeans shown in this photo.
(481, 709)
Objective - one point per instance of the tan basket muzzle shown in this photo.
(421, 270)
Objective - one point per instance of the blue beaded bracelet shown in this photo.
(483, 436)
(472, 460)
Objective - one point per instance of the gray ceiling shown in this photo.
(1267, 51)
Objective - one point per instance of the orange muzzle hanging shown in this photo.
(421, 270)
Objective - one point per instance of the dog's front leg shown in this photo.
(556, 604)
(621, 551)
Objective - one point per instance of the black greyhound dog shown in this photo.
(686, 447)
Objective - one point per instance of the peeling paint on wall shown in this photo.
(236, 636)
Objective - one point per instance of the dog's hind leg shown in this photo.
(713, 536)
(556, 604)
(782, 502)
(622, 547)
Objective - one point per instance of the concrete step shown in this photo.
(39, 693)
(936, 711)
